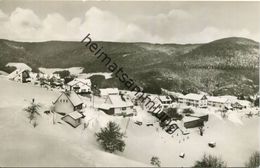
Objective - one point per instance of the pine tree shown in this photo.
(33, 112)
(111, 138)
(155, 161)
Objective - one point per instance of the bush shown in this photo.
(173, 113)
(209, 161)
(254, 160)
(63, 74)
(111, 138)
(155, 161)
(188, 111)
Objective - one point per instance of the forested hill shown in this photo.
(224, 66)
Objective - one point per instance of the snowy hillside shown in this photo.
(62, 145)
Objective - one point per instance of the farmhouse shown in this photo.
(80, 86)
(73, 118)
(68, 102)
(220, 102)
(196, 100)
(20, 75)
(116, 105)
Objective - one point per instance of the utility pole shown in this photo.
(127, 125)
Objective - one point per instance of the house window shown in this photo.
(61, 100)
(123, 108)
(66, 101)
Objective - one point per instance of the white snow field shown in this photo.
(62, 145)
(72, 70)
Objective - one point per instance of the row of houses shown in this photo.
(203, 101)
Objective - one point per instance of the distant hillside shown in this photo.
(223, 66)
(224, 53)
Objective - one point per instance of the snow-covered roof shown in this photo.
(19, 65)
(109, 91)
(15, 73)
(77, 80)
(73, 98)
(192, 96)
(165, 98)
(75, 115)
(217, 99)
(233, 99)
(244, 103)
(117, 101)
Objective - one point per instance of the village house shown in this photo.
(151, 103)
(242, 104)
(108, 91)
(219, 102)
(165, 100)
(73, 118)
(116, 105)
(68, 102)
(20, 75)
(80, 86)
(196, 100)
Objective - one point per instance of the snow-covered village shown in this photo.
(64, 103)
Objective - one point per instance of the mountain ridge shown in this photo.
(178, 67)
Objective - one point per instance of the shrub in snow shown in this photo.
(33, 112)
(110, 138)
(188, 111)
(155, 161)
(173, 113)
(210, 161)
(254, 160)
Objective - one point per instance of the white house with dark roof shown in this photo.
(197, 100)
(117, 104)
(68, 102)
(79, 85)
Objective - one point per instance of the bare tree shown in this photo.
(209, 161)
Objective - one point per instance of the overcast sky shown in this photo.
(156, 22)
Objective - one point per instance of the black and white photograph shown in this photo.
(129, 83)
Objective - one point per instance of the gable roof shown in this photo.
(78, 80)
(109, 91)
(15, 73)
(217, 99)
(75, 115)
(73, 98)
(165, 98)
(117, 101)
(192, 96)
